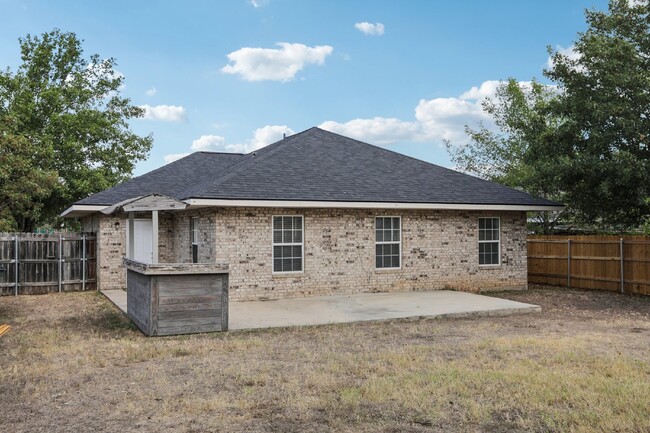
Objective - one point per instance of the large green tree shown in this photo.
(23, 184)
(605, 138)
(64, 120)
(516, 152)
(585, 139)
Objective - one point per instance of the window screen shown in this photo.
(488, 241)
(388, 235)
(287, 244)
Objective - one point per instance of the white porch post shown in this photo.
(131, 237)
(153, 203)
(154, 236)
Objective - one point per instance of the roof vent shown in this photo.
(284, 135)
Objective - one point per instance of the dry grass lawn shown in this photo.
(72, 362)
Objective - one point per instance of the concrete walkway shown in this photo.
(117, 297)
(321, 310)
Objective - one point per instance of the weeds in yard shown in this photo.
(564, 370)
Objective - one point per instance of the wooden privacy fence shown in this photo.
(45, 263)
(591, 262)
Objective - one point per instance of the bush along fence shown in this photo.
(45, 263)
(591, 262)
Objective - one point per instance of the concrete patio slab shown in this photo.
(369, 306)
(320, 310)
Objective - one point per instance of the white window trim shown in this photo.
(495, 265)
(302, 244)
(388, 243)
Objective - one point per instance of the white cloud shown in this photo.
(216, 143)
(569, 52)
(445, 118)
(486, 90)
(151, 92)
(267, 135)
(276, 64)
(165, 113)
(434, 120)
(376, 29)
(208, 142)
(258, 3)
(378, 130)
(174, 157)
(261, 137)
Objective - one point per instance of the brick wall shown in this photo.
(439, 250)
(207, 232)
(165, 237)
(111, 247)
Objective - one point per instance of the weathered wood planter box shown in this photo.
(177, 298)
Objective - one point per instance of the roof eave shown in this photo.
(80, 210)
(199, 202)
(77, 211)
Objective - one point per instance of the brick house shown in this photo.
(314, 214)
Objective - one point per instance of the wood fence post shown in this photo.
(568, 265)
(622, 268)
(60, 260)
(16, 243)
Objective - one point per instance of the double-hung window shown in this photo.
(489, 244)
(287, 243)
(194, 238)
(388, 235)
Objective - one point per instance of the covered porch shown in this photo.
(166, 298)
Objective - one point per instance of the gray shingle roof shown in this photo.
(171, 179)
(316, 165)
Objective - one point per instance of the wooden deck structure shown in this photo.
(172, 299)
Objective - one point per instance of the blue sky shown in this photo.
(236, 75)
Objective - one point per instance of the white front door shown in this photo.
(143, 241)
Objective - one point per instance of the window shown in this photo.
(489, 245)
(194, 238)
(387, 242)
(287, 244)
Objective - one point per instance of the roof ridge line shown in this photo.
(455, 172)
(234, 169)
(216, 152)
